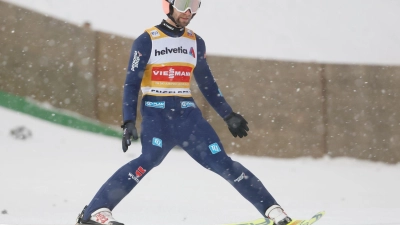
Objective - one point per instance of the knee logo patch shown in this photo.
(214, 148)
(157, 142)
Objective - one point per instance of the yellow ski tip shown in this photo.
(313, 219)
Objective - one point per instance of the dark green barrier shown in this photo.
(26, 106)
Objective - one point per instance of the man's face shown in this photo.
(182, 19)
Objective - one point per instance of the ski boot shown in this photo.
(101, 216)
(276, 214)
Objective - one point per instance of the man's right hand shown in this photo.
(130, 132)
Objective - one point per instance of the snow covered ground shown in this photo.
(48, 178)
(333, 31)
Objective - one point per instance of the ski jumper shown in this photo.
(163, 61)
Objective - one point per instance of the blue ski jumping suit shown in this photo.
(162, 61)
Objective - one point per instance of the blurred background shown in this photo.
(312, 78)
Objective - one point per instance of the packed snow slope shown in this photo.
(48, 178)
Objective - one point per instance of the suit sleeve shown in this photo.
(207, 85)
(139, 57)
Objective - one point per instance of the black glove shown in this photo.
(129, 132)
(237, 125)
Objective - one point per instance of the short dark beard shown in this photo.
(180, 24)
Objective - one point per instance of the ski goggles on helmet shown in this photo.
(183, 5)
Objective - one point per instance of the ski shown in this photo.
(265, 221)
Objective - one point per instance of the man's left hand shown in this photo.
(237, 125)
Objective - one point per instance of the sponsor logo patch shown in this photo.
(161, 91)
(190, 32)
(241, 177)
(214, 148)
(171, 73)
(192, 52)
(166, 51)
(157, 142)
(159, 105)
(187, 104)
(139, 172)
(136, 60)
(154, 33)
